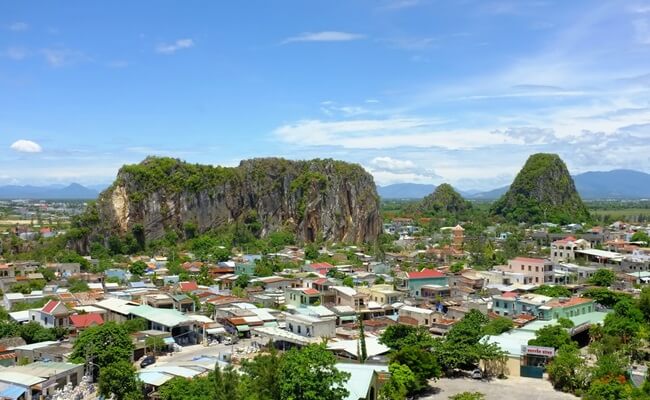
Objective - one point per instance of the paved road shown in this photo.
(513, 388)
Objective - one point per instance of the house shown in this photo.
(54, 314)
(79, 322)
(383, 294)
(38, 380)
(7, 276)
(347, 296)
(365, 380)
(566, 308)
(247, 268)
(421, 316)
(564, 250)
(118, 310)
(512, 304)
(310, 326)
(537, 271)
(412, 282)
(301, 297)
(321, 268)
(64, 270)
(187, 287)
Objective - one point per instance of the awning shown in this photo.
(154, 378)
(349, 318)
(215, 331)
(13, 392)
(243, 328)
(169, 340)
(271, 324)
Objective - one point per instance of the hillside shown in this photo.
(444, 200)
(542, 191)
(319, 198)
(616, 184)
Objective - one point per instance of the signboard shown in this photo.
(538, 351)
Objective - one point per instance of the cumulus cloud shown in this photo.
(171, 48)
(392, 164)
(26, 146)
(18, 27)
(325, 36)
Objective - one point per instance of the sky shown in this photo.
(423, 91)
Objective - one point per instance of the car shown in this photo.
(477, 374)
(148, 360)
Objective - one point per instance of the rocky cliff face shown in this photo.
(543, 191)
(318, 198)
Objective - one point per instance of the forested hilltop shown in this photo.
(543, 191)
(316, 199)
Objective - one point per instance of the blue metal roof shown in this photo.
(13, 392)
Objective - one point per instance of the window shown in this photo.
(536, 268)
(530, 268)
(536, 279)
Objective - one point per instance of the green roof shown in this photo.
(595, 317)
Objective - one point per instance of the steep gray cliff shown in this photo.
(319, 198)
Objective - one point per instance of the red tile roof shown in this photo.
(323, 265)
(573, 301)
(510, 294)
(310, 291)
(50, 306)
(320, 281)
(81, 321)
(425, 273)
(188, 286)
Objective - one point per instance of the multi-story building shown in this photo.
(301, 297)
(309, 326)
(566, 308)
(511, 304)
(537, 271)
(412, 282)
(564, 249)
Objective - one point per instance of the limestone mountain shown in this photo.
(444, 199)
(318, 198)
(543, 191)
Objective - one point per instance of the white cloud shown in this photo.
(26, 146)
(391, 164)
(16, 53)
(325, 36)
(171, 48)
(61, 57)
(642, 29)
(18, 27)
(388, 133)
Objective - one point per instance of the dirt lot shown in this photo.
(513, 388)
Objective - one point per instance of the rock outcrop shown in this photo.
(543, 191)
(319, 198)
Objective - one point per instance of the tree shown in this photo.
(605, 297)
(310, 374)
(456, 267)
(422, 363)
(402, 382)
(103, 345)
(138, 268)
(603, 277)
(261, 375)
(242, 281)
(641, 236)
(468, 396)
(568, 370)
(118, 379)
(33, 332)
(9, 329)
(348, 281)
(498, 325)
(644, 302)
(398, 336)
(554, 336)
(155, 344)
(311, 252)
(77, 285)
(135, 325)
(624, 322)
(363, 353)
(553, 291)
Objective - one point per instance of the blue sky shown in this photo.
(414, 90)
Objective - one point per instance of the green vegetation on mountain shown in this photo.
(444, 200)
(313, 199)
(543, 191)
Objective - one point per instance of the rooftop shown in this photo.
(425, 273)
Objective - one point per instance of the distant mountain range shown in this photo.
(74, 191)
(616, 184)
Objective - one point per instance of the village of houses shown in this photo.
(310, 305)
